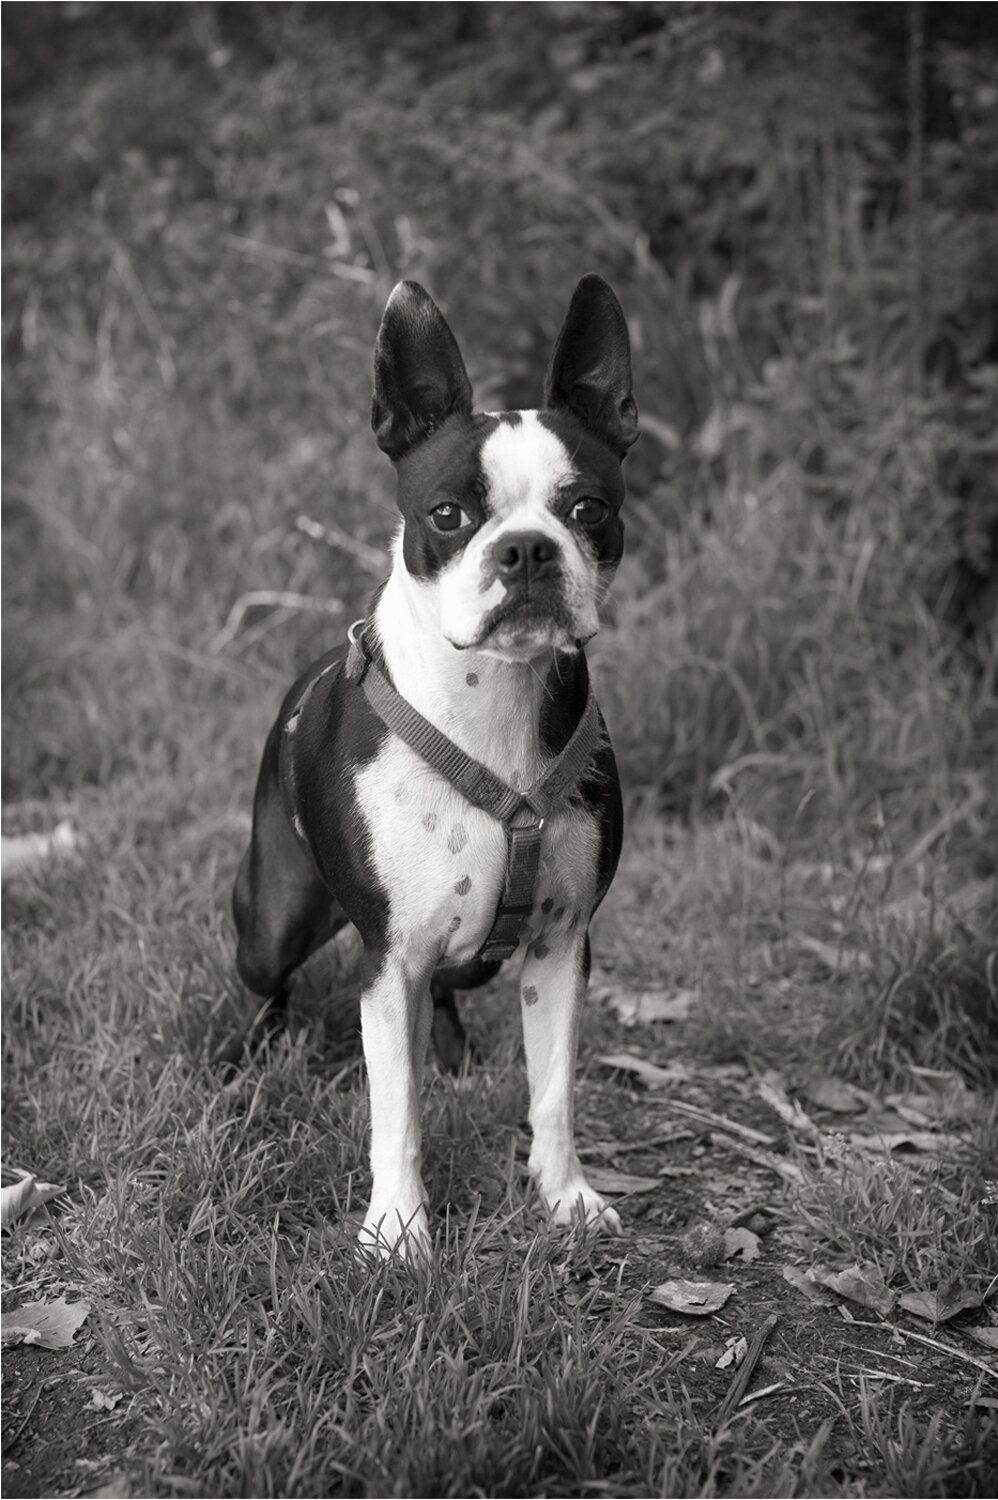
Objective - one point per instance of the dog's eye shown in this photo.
(449, 517)
(590, 511)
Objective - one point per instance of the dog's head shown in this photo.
(511, 519)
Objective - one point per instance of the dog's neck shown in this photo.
(490, 708)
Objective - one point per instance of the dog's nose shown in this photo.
(525, 554)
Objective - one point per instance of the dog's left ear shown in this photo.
(590, 370)
(419, 375)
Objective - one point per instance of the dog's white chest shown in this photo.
(442, 861)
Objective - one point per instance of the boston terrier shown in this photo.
(444, 781)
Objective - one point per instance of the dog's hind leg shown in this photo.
(449, 1036)
(283, 912)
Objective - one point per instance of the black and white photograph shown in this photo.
(500, 750)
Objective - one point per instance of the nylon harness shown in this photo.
(522, 814)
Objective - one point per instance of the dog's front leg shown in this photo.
(551, 992)
(396, 1015)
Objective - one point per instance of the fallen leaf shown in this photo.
(22, 1198)
(910, 1114)
(931, 1142)
(649, 1073)
(105, 1400)
(641, 1007)
(804, 1284)
(734, 1353)
(606, 1180)
(983, 1335)
(696, 1298)
(942, 1304)
(50, 1325)
(944, 1096)
(862, 1284)
(742, 1243)
(835, 1094)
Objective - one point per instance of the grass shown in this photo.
(807, 741)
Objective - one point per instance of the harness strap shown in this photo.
(521, 813)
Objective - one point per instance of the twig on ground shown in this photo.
(739, 1385)
(707, 1117)
(789, 1110)
(788, 1170)
(923, 1338)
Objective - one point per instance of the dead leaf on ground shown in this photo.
(862, 1284)
(650, 1074)
(741, 1243)
(734, 1353)
(943, 1303)
(641, 1007)
(695, 1298)
(942, 1096)
(983, 1335)
(606, 1180)
(835, 1094)
(808, 1288)
(49, 1325)
(105, 1400)
(19, 1199)
(929, 1142)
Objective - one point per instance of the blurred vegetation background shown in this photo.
(206, 207)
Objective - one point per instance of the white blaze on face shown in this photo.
(526, 467)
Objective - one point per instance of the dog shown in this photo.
(444, 780)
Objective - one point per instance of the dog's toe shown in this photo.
(406, 1237)
(580, 1203)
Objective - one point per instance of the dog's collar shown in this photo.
(522, 814)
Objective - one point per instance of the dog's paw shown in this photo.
(391, 1232)
(579, 1203)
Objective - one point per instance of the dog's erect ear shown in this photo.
(590, 370)
(419, 375)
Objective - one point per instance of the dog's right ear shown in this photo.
(419, 375)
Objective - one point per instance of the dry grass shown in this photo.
(806, 735)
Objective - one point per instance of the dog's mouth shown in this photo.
(522, 628)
